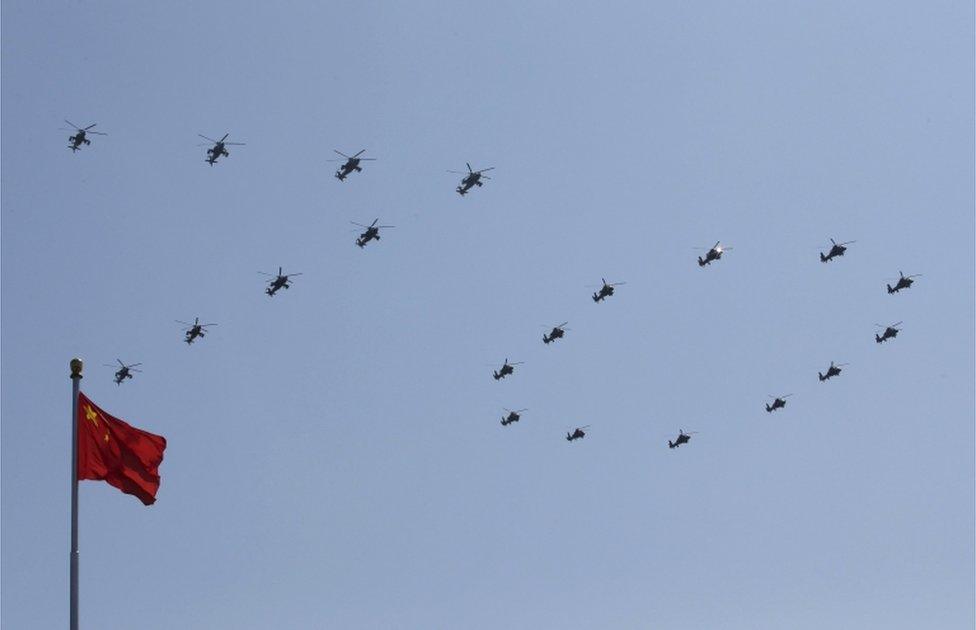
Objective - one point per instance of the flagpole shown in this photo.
(76, 366)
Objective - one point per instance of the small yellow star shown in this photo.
(91, 415)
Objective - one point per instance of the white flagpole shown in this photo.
(76, 366)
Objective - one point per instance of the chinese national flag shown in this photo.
(124, 456)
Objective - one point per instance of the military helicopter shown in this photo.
(124, 372)
(832, 371)
(471, 179)
(606, 290)
(513, 416)
(372, 232)
(890, 332)
(80, 136)
(683, 438)
(194, 330)
(578, 434)
(836, 249)
(557, 333)
(904, 282)
(219, 148)
(280, 281)
(351, 164)
(778, 403)
(715, 253)
(506, 369)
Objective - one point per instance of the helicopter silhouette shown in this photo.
(471, 179)
(832, 371)
(506, 369)
(556, 333)
(280, 281)
(578, 434)
(683, 438)
(836, 249)
(351, 164)
(904, 282)
(606, 290)
(219, 148)
(715, 253)
(372, 232)
(80, 136)
(124, 372)
(890, 332)
(778, 403)
(194, 330)
(513, 416)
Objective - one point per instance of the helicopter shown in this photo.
(80, 136)
(513, 416)
(557, 333)
(280, 281)
(683, 438)
(219, 148)
(372, 232)
(124, 372)
(778, 403)
(578, 434)
(836, 249)
(351, 164)
(194, 330)
(606, 290)
(506, 369)
(832, 371)
(715, 253)
(471, 179)
(904, 282)
(890, 332)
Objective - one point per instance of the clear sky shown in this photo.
(335, 457)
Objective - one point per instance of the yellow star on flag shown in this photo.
(91, 415)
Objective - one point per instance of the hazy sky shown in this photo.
(335, 457)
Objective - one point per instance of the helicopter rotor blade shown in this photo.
(360, 225)
(225, 137)
(833, 242)
(898, 324)
(206, 138)
(386, 226)
(847, 243)
(373, 224)
(89, 126)
(341, 153)
(72, 124)
(458, 172)
(469, 167)
(235, 144)
(360, 153)
(484, 170)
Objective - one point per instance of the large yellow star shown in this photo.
(91, 415)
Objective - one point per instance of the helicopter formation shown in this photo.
(472, 179)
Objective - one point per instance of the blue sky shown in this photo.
(335, 457)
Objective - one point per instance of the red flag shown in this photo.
(111, 450)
